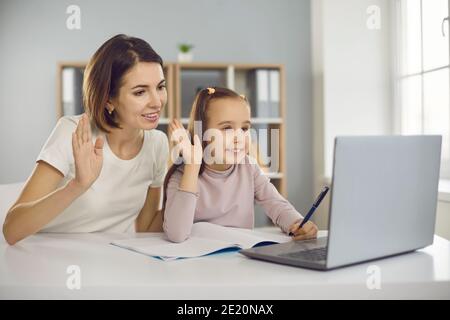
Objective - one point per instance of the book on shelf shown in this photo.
(264, 87)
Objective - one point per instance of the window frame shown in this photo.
(401, 75)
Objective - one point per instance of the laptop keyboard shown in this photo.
(309, 255)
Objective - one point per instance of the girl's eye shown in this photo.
(139, 93)
(227, 128)
(161, 87)
(245, 129)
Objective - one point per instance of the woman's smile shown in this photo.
(151, 117)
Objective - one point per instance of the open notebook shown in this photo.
(206, 238)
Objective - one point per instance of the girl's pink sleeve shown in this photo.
(277, 208)
(179, 210)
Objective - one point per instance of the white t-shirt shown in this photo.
(115, 199)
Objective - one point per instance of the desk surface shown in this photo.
(37, 268)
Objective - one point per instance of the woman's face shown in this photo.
(141, 97)
(231, 117)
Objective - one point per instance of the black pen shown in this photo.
(313, 208)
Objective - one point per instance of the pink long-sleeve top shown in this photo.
(226, 198)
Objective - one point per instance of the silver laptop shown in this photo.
(383, 203)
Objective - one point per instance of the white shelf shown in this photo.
(266, 120)
(444, 190)
(163, 121)
(274, 175)
(253, 120)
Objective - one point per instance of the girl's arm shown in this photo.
(41, 201)
(181, 202)
(277, 208)
(182, 192)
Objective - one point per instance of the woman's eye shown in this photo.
(162, 87)
(245, 129)
(139, 93)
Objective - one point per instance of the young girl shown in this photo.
(221, 191)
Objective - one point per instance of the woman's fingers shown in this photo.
(89, 131)
(82, 129)
(99, 146)
(85, 130)
(74, 142)
(79, 132)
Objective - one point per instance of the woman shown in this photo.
(108, 178)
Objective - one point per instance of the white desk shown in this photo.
(37, 268)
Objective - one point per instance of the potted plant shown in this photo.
(185, 52)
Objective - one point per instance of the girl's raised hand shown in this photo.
(192, 153)
(88, 156)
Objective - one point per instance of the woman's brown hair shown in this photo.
(199, 114)
(104, 73)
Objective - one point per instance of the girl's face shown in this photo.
(231, 117)
(141, 97)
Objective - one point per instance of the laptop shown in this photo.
(383, 202)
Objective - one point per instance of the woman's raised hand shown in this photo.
(87, 155)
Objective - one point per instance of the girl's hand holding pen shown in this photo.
(308, 231)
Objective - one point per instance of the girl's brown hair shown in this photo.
(199, 114)
(104, 73)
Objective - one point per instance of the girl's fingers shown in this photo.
(294, 227)
(179, 125)
(299, 231)
(197, 142)
(307, 227)
(305, 237)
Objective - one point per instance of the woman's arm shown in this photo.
(41, 201)
(149, 218)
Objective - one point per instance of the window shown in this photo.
(423, 86)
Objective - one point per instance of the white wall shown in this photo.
(443, 219)
(352, 79)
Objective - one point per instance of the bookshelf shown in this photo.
(183, 82)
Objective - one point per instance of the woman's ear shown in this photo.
(109, 107)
